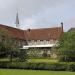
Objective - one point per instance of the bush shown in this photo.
(3, 64)
(39, 66)
(58, 67)
(71, 66)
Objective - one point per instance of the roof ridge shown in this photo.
(10, 27)
(44, 28)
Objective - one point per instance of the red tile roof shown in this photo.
(44, 34)
(34, 34)
(16, 33)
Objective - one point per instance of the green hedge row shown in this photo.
(39, 66)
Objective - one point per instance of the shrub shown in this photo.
(71, 66)
(39, 66)
(58, 67)
(3, 64)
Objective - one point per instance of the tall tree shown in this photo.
(66, 48)
(7, 45)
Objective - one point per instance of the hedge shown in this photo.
(60, 66)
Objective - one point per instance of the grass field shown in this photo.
(42, 60)
(46, 60)
(33, 72)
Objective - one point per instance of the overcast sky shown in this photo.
(38, 13)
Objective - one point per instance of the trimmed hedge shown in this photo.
(39, 66)
(71, 66)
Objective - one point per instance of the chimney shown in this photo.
(62, 25)
(29, 30)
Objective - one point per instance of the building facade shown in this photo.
(40, 39)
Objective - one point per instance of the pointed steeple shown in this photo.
(17, 21)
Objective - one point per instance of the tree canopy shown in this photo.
(66, 46)
(7, 45)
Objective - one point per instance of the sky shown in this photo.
(38, 13)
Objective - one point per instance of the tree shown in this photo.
(7, 46)
(4, 41)
(66, 48)
(22, 55)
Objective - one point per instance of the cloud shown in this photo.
(38, 13)
(27, 23)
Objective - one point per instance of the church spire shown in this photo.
(17, 21)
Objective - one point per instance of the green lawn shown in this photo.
(46, 60)
(33, 72)
(42, 60)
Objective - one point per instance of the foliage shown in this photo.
(22, 55)
(66, 46)
(44, 54)
(39, 66)
(7, 46)
(34, 53)
(59, 66)
(4, 42)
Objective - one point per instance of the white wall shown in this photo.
(39, 42)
